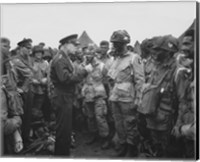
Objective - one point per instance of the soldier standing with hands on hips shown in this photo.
(64, 79)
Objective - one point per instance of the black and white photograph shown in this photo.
(99, 80)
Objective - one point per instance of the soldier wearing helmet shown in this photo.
(120, 39)
(162, 95)
(126, 76)
(39, 83)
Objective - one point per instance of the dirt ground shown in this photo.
(94, 151)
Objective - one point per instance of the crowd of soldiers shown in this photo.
(147, 101)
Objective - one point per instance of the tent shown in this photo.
(137, 48)
(192, 26)
(85, 40)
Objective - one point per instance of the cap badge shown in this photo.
(170, 45)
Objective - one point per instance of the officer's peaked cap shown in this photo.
(70, 38)
(25, 42)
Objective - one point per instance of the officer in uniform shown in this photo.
(64, 80)
(162, 95)
(126, 76)
(24, 73)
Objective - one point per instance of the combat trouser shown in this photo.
(37, 113)
(160, 142)
(96, 112)
(125, 116)
(11, 125)
(91, 121)
(189, 148)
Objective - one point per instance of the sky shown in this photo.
(51, 22)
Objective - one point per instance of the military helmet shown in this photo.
(120, 36)
(168, 43)
(38, 49)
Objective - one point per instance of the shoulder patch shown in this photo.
(182, 72)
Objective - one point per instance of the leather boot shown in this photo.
(132, 151)
(105, 143)
(92, 140)
(122, 151)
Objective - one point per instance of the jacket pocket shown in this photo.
(150, 100)
(162, 116)
(124, 74)
(124, 90)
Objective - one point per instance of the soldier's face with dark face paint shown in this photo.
(159, 55)
(188, 46)
(118, 46)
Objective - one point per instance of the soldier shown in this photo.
(126, 78)
(185, 126)
(147, 52)
(24, 72)
(104, 56)
(11, 108)
(94, 97)
(162, 95)
(107, 60)
(64, 80)
(146, 48)
(39, 83)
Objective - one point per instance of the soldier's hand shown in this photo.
(175, 132)
(105, 110)
(44, 80)
(18, 146)
(88, 68)
(188, 131)
(35, 81)
(19, 90)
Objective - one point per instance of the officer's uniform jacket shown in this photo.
(128, 75)
(62, 74)
(24, 72)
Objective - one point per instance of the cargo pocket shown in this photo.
(162, 116)
(123, 90)
(150, 100)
